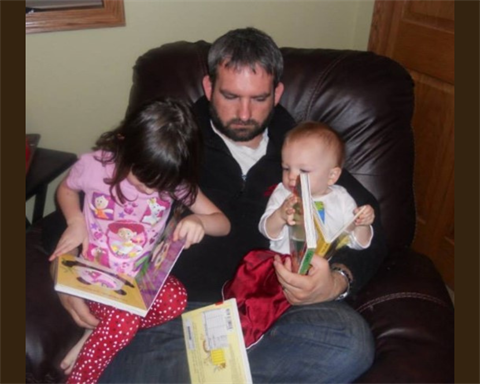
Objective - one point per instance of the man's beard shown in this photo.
(252, 128)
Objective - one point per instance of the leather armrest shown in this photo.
(412, 319)
(50, 330)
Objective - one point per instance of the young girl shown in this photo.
(130, 183)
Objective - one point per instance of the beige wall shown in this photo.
(78, 81)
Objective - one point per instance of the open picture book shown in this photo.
(215, 346)
(308, 236)
(93, 281)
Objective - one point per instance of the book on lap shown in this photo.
(215, 345)
(93, 281)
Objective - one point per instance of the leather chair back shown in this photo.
(367, 98)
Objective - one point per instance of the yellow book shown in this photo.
(215, 347)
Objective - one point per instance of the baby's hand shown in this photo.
(287, 211)
(75, 234)
(191, 229)
(366, 217)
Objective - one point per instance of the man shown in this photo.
(243, 126)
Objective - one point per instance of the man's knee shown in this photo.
(332, 339)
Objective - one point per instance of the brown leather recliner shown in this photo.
(369, 100)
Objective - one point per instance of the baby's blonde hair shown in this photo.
(323, 132)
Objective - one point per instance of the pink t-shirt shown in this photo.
(120, 236)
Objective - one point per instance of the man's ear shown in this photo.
(207, 87)
(334, 175)
(278, 92)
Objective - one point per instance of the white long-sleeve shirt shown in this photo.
(338, 205)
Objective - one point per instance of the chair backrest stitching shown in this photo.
(326, 72)
(402, 295)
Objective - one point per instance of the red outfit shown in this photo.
(259, 295)
(118, 327)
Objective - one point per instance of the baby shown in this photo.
(316, 149)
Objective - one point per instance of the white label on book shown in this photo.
(228, 319)
(190, 339)
(217, 323)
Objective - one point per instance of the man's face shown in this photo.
(242, 101)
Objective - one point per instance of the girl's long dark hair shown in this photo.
(160, 143)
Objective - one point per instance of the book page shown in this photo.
(95, 282)
(157, 268)
(326, 247)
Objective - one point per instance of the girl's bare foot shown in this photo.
(69, 360)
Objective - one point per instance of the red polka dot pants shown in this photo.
(117, 328)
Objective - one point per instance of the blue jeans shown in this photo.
(319, 343)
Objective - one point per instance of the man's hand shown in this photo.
(317, 286)
(79, 311)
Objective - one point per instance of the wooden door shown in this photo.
(420, 36)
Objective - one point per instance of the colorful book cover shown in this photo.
(308, 236)
(92, 281)
(215, 346)
(303, 240)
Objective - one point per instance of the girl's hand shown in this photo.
(75, 234)
(366, 217)
(191, 229)
(79, 310)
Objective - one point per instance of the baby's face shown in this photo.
(307, 156)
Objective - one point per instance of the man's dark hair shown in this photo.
(245, 47)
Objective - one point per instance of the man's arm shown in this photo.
(362, 264)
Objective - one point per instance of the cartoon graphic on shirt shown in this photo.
(97, 233)
(126, 240)
(321, 209)
(97, 254)
(155, 210)
(129, 208)
(102, 206)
